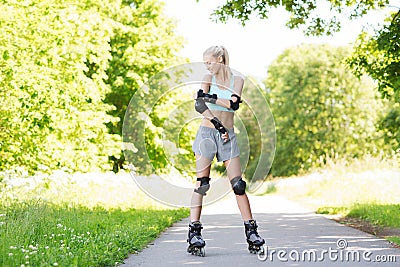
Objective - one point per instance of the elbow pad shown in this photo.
(207, 97)
(200, 105)
(235, 105)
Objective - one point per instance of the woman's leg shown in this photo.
(203, 166)
(252, 237)
(234, 170)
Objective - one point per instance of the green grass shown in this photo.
(65, 219)
(387, 215)
(394, 239)
(43, 234)
(378, 214)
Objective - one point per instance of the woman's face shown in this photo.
(212, 64)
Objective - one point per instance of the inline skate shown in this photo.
(195, 240)
(253, 238)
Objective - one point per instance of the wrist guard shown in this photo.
(218, 125)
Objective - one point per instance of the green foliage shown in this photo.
(140, 48)
(301, 12)
(320, 109)
(67, 71)
(53, 111)
(389, 126)
(50, 235)
(156, 133)
(378, 56)
(259, 132)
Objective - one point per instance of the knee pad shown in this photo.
(238, 186)
(204, 185)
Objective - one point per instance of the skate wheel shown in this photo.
(261, 251)
(202, 252)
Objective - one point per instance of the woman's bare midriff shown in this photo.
(225, 117)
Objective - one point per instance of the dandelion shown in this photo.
(55, 264)
(27, 257)
(10, 254)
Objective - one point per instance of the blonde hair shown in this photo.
(220, 51)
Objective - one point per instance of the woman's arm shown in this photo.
(202, 108)
(206, 83)
(237, 90)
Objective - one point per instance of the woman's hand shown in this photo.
(225, 136)
(221, 129)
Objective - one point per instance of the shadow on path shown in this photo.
(295, 237)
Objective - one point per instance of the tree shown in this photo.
(143, 45)
(301, 12)
(256, 132)
(378, 56)
(52, 111)
(58, 63)
(320, 109)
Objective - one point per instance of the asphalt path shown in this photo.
(294, 237)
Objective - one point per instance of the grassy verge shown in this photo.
(394, 239)
(379, 214)
(379, 219)
(77, 220)
(48, 235)
(366, 190)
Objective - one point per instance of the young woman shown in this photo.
(217, 100)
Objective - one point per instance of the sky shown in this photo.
(253, 47)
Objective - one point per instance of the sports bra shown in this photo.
(221, 93)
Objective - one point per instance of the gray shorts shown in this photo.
(209, 143)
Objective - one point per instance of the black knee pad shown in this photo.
(238, 185)
(204, 185)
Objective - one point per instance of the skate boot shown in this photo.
(253, 239)
(195, 240)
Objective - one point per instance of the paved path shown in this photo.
(298, 236)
